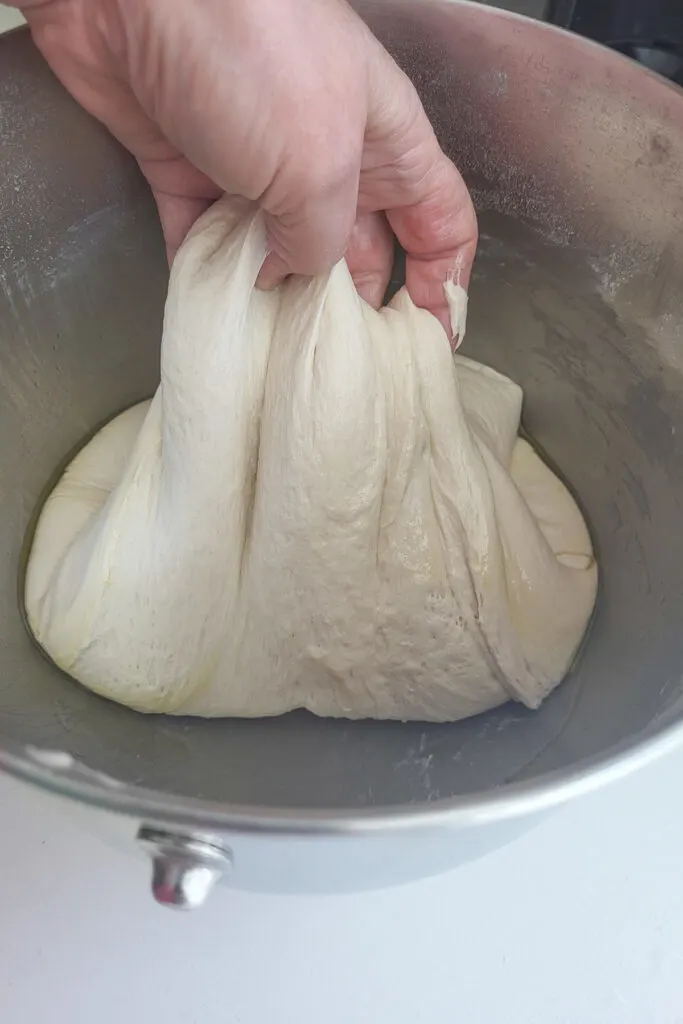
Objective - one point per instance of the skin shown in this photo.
(291, 103)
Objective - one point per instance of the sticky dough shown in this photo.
(320, 508)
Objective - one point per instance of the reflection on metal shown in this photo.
(185, 869)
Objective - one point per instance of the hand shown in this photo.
(291, 103)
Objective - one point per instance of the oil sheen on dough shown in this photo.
(321, 508)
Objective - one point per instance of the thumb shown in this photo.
(309, 232)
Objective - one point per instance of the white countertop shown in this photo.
(9, 18)
(579, 922)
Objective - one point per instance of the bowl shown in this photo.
(574, 156)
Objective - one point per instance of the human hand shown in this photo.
(291, 103)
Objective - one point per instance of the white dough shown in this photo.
(321, 508)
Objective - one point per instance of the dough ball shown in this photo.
(321, 508)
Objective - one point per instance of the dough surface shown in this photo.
(320, 508)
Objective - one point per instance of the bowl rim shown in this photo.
(510, 802)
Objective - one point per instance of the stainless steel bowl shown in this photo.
(575, 159)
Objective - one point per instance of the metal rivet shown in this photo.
(184, 868)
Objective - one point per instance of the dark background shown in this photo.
(649, 31)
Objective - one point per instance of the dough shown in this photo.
(321, 508)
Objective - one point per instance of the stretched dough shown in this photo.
(321, 508)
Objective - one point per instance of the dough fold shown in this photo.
(320, 508)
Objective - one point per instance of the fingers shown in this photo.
(370, 257)
(426, 200)
(177, 215)
(310, 227)
(439, 233)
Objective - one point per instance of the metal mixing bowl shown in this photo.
(575, 159)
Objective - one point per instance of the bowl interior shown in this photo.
(574, 157)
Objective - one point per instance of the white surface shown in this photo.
(580, 922)
(9, 18)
